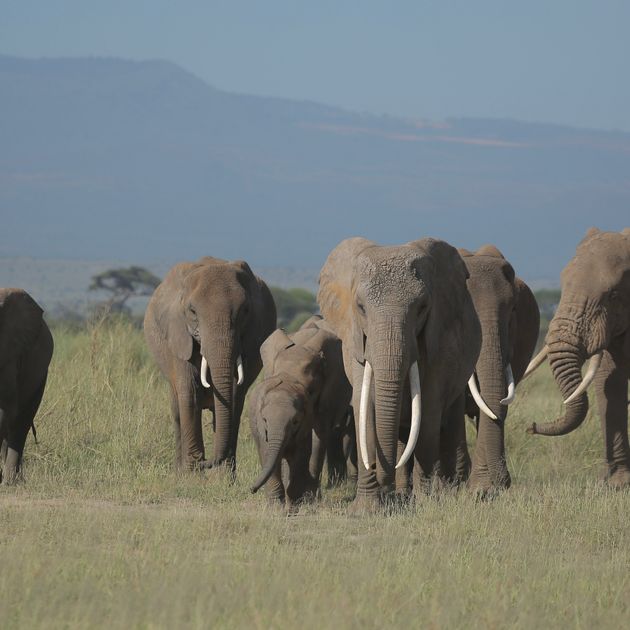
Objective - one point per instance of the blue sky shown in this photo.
(557, 61)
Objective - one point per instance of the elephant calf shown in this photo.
(294, 410)
(26, 347)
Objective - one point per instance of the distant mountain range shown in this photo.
(142, 161)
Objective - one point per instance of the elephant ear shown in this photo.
(263, 307)
(445, 273)
(169, 308)
(335, 285)
(314, 321)
(271, 348)
(20, 322)
(524, 329)
(335, 386)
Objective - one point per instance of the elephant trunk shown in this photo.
(566, 362)
(391, 361)
(221, 359)
(275, 448)
(494, 372)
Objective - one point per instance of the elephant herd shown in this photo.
(410, 340)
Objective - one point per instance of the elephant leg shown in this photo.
(16, 438)
(368, 491)
(191, 435)
(611, 387)
(403, 474)
(489, 469)
(349, 446)
(239, 402)
(426, 465)
(335, 458)
(319, 441)
(177, 429)
(454, 457)
(302, 485)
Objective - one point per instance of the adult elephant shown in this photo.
(411, 338)
(204, 325)
(26, 347)
(593, 321)
(510, 322)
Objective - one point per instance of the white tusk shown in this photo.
(204, 371)
(414, 432)
(511, 393)
(536, 362)
(593, 366)
(365, 397)
(472, 384)
(239, 370)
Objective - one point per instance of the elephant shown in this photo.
(510, 322)
(592, 321)
(26, 348)
(410, 339)
(294, 409)
(204, 325)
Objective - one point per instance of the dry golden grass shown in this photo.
(105, 534)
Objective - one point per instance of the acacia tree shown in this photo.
(123, 283)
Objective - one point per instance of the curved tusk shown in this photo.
(511, 393)
(414, 432)
(472, 384)
(593, 366)
(536, 362)
(365, 397)
(204, 371)
(239, 370)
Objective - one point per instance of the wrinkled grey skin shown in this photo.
(220, 309)
(293, 410)
(510, 322)
(594, 315)
(26, 348)
(393, 306)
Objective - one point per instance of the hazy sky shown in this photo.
(564, 61)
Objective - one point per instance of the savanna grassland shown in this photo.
(104, 533)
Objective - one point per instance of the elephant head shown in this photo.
(286, 400)
(395, 309)
(594, 309)
(216, 314)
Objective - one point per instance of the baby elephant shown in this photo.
(293, 410)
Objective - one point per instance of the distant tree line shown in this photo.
(294, 306)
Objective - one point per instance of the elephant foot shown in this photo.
(619, 479)
(485, 484)
(364, 504)
(11, 472)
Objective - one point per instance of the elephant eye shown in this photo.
(192, 310)
(361, 307)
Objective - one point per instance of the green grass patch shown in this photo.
(104, 533)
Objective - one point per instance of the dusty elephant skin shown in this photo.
(304, 395)
(26, 348)
(404, 315)
(211, 314)
(510, 322)
(593, 321)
